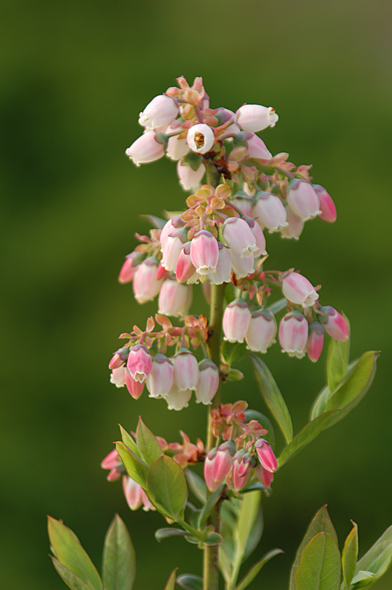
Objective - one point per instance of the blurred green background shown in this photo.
(75, 75)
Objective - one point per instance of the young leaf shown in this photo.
(320, 403)
(309, 432)
(147, 443)
(337, 361)
(320, 523)
(128, 441)
(190, 582)
(119, 563)
(136, 467)
(212, 539)
(349, 557)
(377, 560)
(209, 505)
(197, 485)
(69, 552)
(254, 570)
(68, 577)
(172, 580)
(165, 533)
(166, 487)
(319, 566)
(157, 222)
(249, 509)
(273, 398)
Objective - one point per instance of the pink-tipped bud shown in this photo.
(186, 370)
(118, 376)
(262, 331)
(259, 236)
(113, 462)
(297, 289)
(293, 334)
(217, 465)
(174, 298)
(119, 358)
(334, 323)
(265, 477)
(161, 111)
(139, 363)
(266, 455)
(170, 226)
(145, 149)
(208, 383)
(244, 203)
(178, 399)
(239, 237)
(185, 269)
(200, 138)
(145, 284)
(135, 388)
(190, 179)
(327, 206)
(294, 227)
(204, 252)
(257, 148)
(172, 248)
(255, 117)
(161, 379)
(132, 492)
(241, 471)
(269, 211)
(315, 342)
(236, 320)
(303, 199)
(177, 148)
(128, 269)
(222, 273)
(161, 272)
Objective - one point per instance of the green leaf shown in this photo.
(157, 222)
(172, 580)
(309, 432)
(147, 443)
(277, 306)
(193, 160)
(213, 539)
(68, 577)
(337, 361)
(320, 523)
(320, 403)
(209, 505)
(363, 580)
(166, 487)
(254, 570)
(165, 533)
(319, 566)
(119, 562)
(248, 512)
(233, 351)
(377, 560)
(190, 582)
(136, 468)
(69, 552)
(128, 441)
(197, 485)
(349, 557)
(272, 397)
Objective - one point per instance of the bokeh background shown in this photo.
(75, 75)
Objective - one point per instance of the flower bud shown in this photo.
(139, 362)
(327, 206)
(204, 252)
(236, 320)
(176, 148)
(200, 138)
(297, 289)
(208, 383)
(293, 334)
(244, 204)
(185, 269)
(186, 370)
(241, 471)
(170, 226)
(190, 179)
(217, 465)
(161, 379)
(119, 358)
(132, 492)
(255, 117)
(315, 342)
(117, 376)
(222, 273)
(113, 462)
(294, 227)
(174, 298)
(145, 283)
(145, 149)
(128, 269)
(303, 199)
(161, 111)
(270, 212)
(239, 237)
(265, 477)
(262, 330)
(257, 148)
(172, 247)
(334, 323)
(266, 455)
(178, 399)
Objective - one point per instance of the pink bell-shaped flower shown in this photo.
(270, 212)
(145, 149)
(170, 226)
(241, 471)
(239, 237)
(204, 252)
(327, 206)
(171, 248)
(176, 148)
(236, 321)
(314, 345)
(264, 476)
(334, 323)
(174, 298)
(208, 383)
(297, 289)
(190, 179)
(259, 236)
(186, 370)
(303, 199)
(200, 138)
(139, 362)
(222, 273)
(113, 462)
(257, 148)
(242, 267)
(134, 387)
(161, 111)
(262, 330)
(266, 455)
(128, 269)
(117, 376)
(145, 284)
(293, 334)
(132, 492)
(217, 465)
(185, 269)
(255, 117)
(161, 379)
(178, 399)
(294, 227)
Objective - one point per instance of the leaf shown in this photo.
(209, 505)
(193, 160)
(319, 566)
(378, 559)
(190, 582)
(136, 468)
(197, 485)
(128, 441)
(349, 557)
(119, 562)
(157, 222)
(254, 570)
(165, 533)
(272, 397)
(172, 580)
(309, 432)
(277, 306)
(147, 443)
(337, 361)
(363, 580)
(213, 539)
(249, 508)
(166, 487)
(320, 403)
(320, 523)
(69, 552)
(68, 577)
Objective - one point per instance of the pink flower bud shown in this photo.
(257, 148)
(239, 237)
(185, 269)
(117, 376)
(303, 199)
(266, 455)
(208, 383)
(241, 471)
(315, 342)
(259, 236)
(172, 247)
(294, 227)
(236, 320)
(190, 179)
(262, 331)
(293, 334)
(327, 206)
(177, 148)
(145, 283)
(200, 138)
(186, 370)
(161, 379)
(204, 252)
(119, 358)
(161, 111)
(217, 465)
(145, 149)
(135, 388)
(222, 273)
(147, 505)
(297, 289)
(334, 323)
(174, 298)
(139, 362)
(265, 477)
(132, 492)
(128, 269)
(170, 226)
(241, 266)
(269, 211)
(255, 117)
(243, 203)
(178, 399)
(111, 460)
